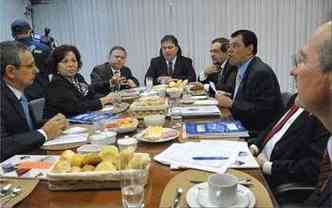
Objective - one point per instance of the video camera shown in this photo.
(46, 38)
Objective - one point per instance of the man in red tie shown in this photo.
(313, 74)
(290, 150)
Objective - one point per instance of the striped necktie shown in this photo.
(24, 104)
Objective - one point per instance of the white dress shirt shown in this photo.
(269, 146)
(329, 148)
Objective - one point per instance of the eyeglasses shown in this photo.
(300, 60)
(29, 66)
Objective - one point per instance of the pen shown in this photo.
(209, 158)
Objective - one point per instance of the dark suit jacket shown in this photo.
(101, 75)
(321, 199)
(258, 100)
(224, 80)
(183, 69)
(16, 137)
(296, 156)
(63, 97)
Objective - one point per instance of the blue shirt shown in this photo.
(243, 68)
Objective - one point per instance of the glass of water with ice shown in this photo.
(132, 188)
(149, 83)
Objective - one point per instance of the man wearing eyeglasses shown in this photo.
(20, 134)
(313, 75)
(220, 72)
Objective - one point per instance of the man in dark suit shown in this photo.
(22, 32)
(257, 98)
(113, 75)
(19, 132)
(313, 75)
(170, 64)
(290, 150)
(220, 72)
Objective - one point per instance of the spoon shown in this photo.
(5, 190)
(177, 198)
(15, 192)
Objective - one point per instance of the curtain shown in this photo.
(9, 11)
(282, 27)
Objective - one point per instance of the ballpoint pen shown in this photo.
(209, 158)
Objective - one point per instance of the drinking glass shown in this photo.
(149, 83)
(132, 188)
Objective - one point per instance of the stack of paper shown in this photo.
(244, 159)
(214, 156)
(203, 156)
(210, 101)
(209, 110)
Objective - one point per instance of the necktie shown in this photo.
(170, 68)
(280, 123)
(24, 103)
(325, 170)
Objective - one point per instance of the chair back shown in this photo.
(37, 108)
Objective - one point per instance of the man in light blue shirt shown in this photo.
(257, 99)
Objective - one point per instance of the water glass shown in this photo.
(149, 83)
(132, 188)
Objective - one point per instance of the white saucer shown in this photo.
(75, 130)
(197, 196)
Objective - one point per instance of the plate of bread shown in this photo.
(122, 125)
(157, 134)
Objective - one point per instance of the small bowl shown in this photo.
(174, 92)
(154, 120)
(103, 138)
(127, 142)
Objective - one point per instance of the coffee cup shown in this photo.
(222, 189)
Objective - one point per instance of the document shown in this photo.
(209, 110)
(27, 166)
(244, 158)
(211, 157)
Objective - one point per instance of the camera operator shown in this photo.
(22, 32)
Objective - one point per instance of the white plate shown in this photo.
(89, 148)
(75, 130)
(126, 129)
(140, 137)
(197, 196)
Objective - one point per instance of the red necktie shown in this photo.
(280, 123)
(325, 170)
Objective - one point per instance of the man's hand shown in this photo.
(224, 100)
(261, 159)
(106, 100)
(116, 79)
(210, 69)
(55, 126)
(164, 79)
